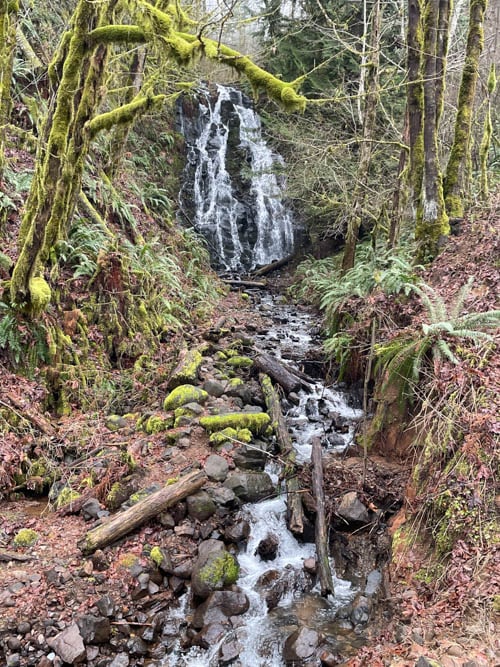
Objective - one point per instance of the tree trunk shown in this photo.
(455, 182)
(324, 570)
(432, 222)
(369, 118)
(8, 19)
(124, 522)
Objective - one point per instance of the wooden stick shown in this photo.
(124, 522)
(264, 270)
(324, 570)
(258, 284)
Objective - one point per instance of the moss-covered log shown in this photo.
(321, 529)
(455, 185)
(125, 522)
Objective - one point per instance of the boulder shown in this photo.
(250, 458)
(214, 388)
(352, 509)
(185, 393)
(219, 607)
(69, 645)
(213, 569)
(94, 629)
(300, 646)
(200, 506)
(250, 487)
(216, 468)
(268, 547)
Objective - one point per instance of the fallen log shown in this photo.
(24, 411)
(257, 284)
(321, 532)
(264, 270)
(188, 365)
(124, 522)
(295, 512)
(277, 371)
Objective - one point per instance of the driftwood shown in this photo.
(258, 284)
(7, 556)
(295, 513)
(324, 570)
(264, 270)
(277, 371)
(124, 522)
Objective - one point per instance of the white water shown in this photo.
(242, 232)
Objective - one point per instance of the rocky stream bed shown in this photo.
(216, 578)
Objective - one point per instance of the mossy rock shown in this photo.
(239, 361)
(26, 537)
(188, 370)
(256, 422)
(230, 435)
(67, 495)
(116, 422)
(185, 393)
(157, 423)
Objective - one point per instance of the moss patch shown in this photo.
(185, 393)
(229, 435)
(256, 422)
(25, 537)
(222, 571)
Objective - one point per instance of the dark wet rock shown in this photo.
(220, 606)
(275, 584)
(242, 391)
(300, 646)
(352, 509)
(178, 511)
(214, 388)
(224, 498)
(268, 548)
(99, 560)
(69, 645)
(106, 606)
(250, 457)
(136, 646)
(13, 643)
(216, 468)
(237, 532)
(213, 569)
(200, 506)
(184, 569)
(210, 635)
(91, 509)
(44, 662)
(328, 659)
(94, 629)
(229, 651)
(361, 609)
(167, 520)
(177, 585)
(427, 662)
(250, 486)
(23, 627)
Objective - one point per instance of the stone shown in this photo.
(115, 422)
(223, 497)
(300, 645)
(136, 646)
(373, 583)
(328, 659)
(426, 662)
(310, 566)
(250, 486)
(69, 645)
(210, 635)
(361, 609)
(91, 509)
(106, 606)
(120, 660)
(213, 569)
(237, 532)
(229, 651)
(214, 388)
(216, 468)
(44, 662)
(13, 643)
(352, 509)
(200, 506)
(267, 548)
(219, 607)
(94, 629)
(185, 393)
(250, 458)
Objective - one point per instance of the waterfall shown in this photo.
(231, 192)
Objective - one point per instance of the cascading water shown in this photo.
(231, 193)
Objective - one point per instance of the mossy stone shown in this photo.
(25, 537)
(185, 393)
(188, 372)
(66, 496)
(239, 361)
(256, 422)
(115, 422)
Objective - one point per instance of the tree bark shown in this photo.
(124, 522)
(295, 512)
(278, 372)
(415, 104)
(324, 570)
(455, 182)
(8, 20)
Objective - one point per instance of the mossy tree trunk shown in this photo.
(432, 221)
(487, 134)
(456, 175)
(369, 119)
(8, 19)
(77, 74)
(415, 103)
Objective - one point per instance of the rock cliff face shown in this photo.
(231, 192)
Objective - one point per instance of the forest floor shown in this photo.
(43, 587)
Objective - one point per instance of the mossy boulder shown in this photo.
(256, 422)
(200, 506)
(214, 569)
(185, 393)
(26, 537)
(187, 370)
(67, 495)
(115, 422)
(230, 434)
(250, 487)
(186, 413)
(157, 423)
(239, 361)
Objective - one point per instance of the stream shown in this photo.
(260, 634)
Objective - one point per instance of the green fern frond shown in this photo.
(457, 307)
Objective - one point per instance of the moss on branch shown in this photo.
(124, 114)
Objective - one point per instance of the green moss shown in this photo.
(220, 356)
(156, 556)
(239, 361)
(125, 114)
(256, 422)
(188, 372)
(155, 424)
(222, 571)
(185, 393)
(25, 537)
(229, 435)
(138, 496)
(39, 295)
(66, 496)
(127, 560)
